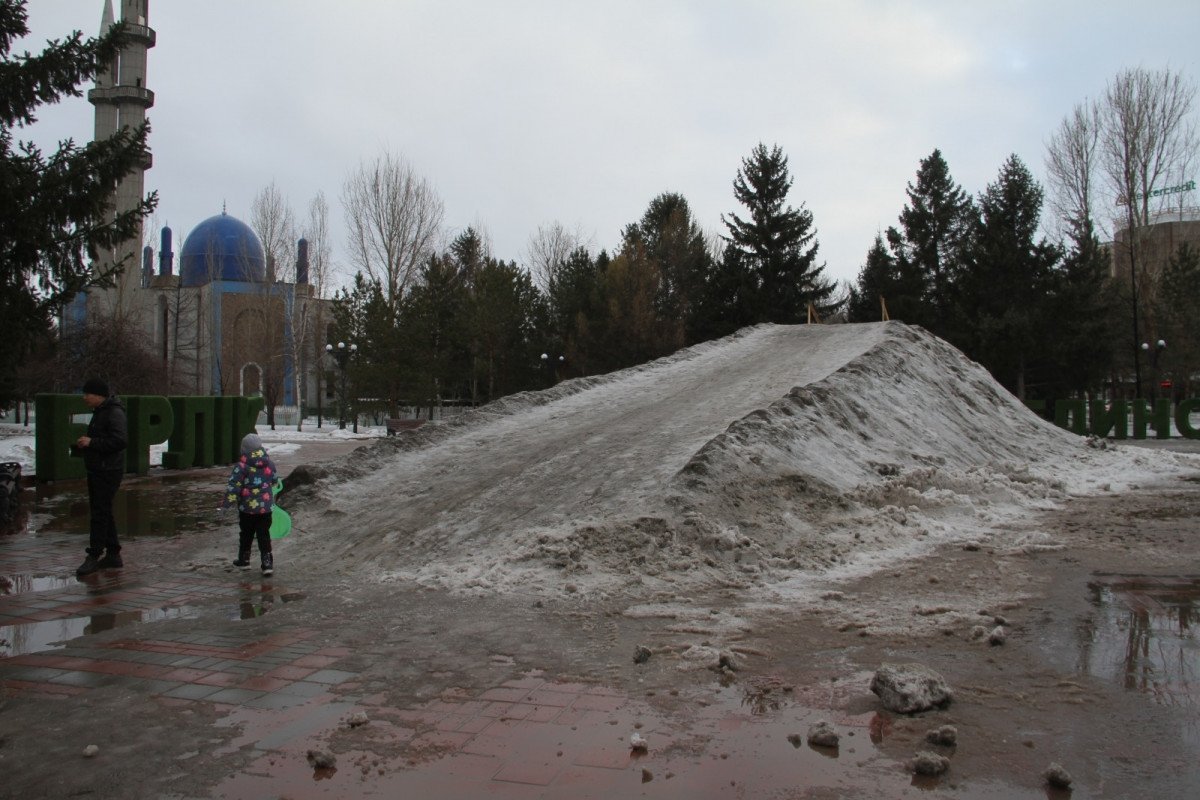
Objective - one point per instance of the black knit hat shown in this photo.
(95, 386)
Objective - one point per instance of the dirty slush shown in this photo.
(687, 579)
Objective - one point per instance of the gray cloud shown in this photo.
(521, 113)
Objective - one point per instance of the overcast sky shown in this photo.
(525, 113)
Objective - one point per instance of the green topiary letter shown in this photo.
(1183, 418)
(1159, 418)
(1115, 419)
(225, 446)
(1070, 414)
(54, 457)
(191, 442)
(150, 422)
(245, 415)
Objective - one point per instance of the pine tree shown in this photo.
(55, 210)
(1085, 323)
(876, 280)
(935, 229)
(1003, 291)
(1179, 308)
(775, 246)
(670, 237)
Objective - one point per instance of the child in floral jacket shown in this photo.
(250, 488)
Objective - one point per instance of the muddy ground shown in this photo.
(1097, 671)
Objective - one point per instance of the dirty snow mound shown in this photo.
(761, 459)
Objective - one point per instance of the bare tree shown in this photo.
(1071, 166)
(1112, 159)
(272, 219)
(547, 250)
(272, 329)
(1147, 135)
(395, 218)
(304, 306)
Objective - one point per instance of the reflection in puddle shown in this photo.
(1144, 635)
(164, 507)
(256, 604)
(34, 637)
(22, 584)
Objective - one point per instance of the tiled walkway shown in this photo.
(282, 697)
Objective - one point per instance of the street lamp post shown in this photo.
(552, 371)
(1159, 347)
(320, 389)
(342, 354)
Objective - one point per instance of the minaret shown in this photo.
(121, 99)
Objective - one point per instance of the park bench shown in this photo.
(396, 425)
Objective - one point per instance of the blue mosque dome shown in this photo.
(222, 248)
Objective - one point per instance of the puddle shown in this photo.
(161, 507)
(256, 604)
(563, 740)
(22, 584)
(35, 637)
(1144, 636)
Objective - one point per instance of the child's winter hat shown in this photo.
(250, 443)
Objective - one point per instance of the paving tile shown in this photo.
(616, 757)
(589, 702)
(331, 676)
(35, 674)
(441, 740)
(534, 773)
(304, 689)
(315, 661)
(466, 765)
(273, 701)
(484, 745)
(509, 694)
(151, 687)
(85, 679)
(192, 691)
(544, 713)
(35, 687)
(264, 684)
(234, 696)
(319, 717)
(497, 710)
(551, 697)
(339, 652)
(290, 673)
(220, 679)
(186, 675)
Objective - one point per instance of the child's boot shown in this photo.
(243, 559)
(268, 564)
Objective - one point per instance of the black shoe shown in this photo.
(268, 565)
(110, 561)
(243, 559)
(89, 565)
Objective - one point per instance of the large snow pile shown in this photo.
(776, 454)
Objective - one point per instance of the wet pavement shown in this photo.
(280, 696)
(283, 696)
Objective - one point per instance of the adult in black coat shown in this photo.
(103, 449)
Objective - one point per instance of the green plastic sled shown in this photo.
(281, 521)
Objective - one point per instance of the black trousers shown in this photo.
(251, 527)
(102, 490)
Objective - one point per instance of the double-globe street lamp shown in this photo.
(552, 369)
(342, 354)
(1159, 347)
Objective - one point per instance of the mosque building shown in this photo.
(223, 324)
